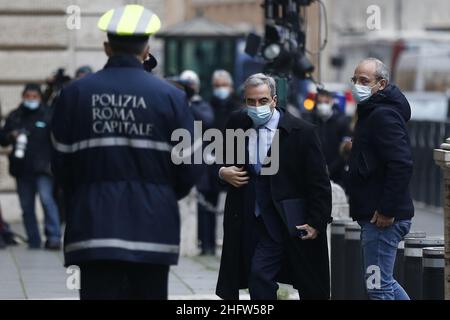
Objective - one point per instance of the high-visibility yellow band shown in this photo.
(104, 21)
(129, 20)
(154, 25)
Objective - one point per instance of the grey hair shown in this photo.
(191, 77)
(261, 79)
(222, 74)
(381, 70)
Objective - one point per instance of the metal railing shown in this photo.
(427, 184)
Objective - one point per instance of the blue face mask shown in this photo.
(260, 115)
(222, 92)
(361, 93)
(31, 104)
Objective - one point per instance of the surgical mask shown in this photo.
(31, 104)
(361, 93)
(325, 110)
(260, 115)
(222, 92)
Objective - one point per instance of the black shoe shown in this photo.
(9, 239)
(53, 245)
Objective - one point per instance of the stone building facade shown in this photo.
(40, 36)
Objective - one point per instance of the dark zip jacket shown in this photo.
(381, 165)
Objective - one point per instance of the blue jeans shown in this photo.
(27, 188)
(379, 247)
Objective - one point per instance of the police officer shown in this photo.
(112, 138)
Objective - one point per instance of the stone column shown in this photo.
(340, 209)
(188, 220)
(442, 158)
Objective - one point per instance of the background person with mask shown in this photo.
(333, 129)
(83, 71)
(224, 100)
(27, 128)
(200, 108)
(380, 169)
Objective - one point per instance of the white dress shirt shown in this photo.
(266, 133)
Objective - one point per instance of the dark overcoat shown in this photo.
(303, 175)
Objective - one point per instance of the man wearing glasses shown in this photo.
(380, 169)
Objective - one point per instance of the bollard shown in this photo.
(399, 265)
(442, 158)
(337, 258)
(413, 263)
(355, 288)
(433, 273)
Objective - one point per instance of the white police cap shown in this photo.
(130, 20)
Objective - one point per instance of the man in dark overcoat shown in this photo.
(283, 175)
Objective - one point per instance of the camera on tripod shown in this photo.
(283, 45)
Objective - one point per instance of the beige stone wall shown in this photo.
(312, 40)
(242, 14)
(38, 41)
(442, 158)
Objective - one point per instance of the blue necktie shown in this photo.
(257, 168)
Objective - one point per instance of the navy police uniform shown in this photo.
(111, 133)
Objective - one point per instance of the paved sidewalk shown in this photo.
(39, 274)
(32, 274)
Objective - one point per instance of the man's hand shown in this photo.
(235, 176)
(311, 232)
(346, 148)
(381, 221)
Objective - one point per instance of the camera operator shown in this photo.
(27, 129)
(55, 83)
